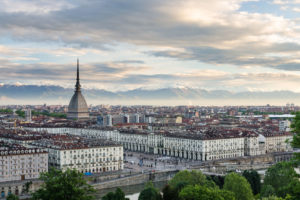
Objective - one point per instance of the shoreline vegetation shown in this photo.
(21, 113)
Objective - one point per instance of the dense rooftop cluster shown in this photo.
(16, 149)
(73, 142)
(17, 134)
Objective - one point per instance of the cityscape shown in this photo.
(140, 100)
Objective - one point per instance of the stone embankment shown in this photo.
(136, 179)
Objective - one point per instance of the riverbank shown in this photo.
(136, 179)
(131, 191)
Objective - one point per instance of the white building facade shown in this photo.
(22, 163)
(185, 146)
(91, 158)
(278, 142)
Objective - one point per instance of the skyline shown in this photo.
(238, 46)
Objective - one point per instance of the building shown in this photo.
(109, 120)
(21, 137)
(100, 120)
(28, 115)
(277, 142)
(136, 118)
(204, 144)
(285, 125)
(208, 146)
(20, 163)
(85, 155)
(251, 144)
(78, 108)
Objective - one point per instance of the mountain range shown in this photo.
(10, 94)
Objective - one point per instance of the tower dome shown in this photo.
(78, 108)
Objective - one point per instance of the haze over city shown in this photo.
(233, 46)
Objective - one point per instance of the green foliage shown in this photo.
(267, 191)
(6, 111)
(118, 195)
(20, 113)
(254, 179)
(239, 186)
(218, 180)
(69, 185)
(267, 113)
(279, 176)
(190, 178)
(169, 193)
(272, 198)
(172, 193)
(183, 179)
(198, 192)
(109, 196)
(150, 193)
(27, 186)
(46, 113)
(293, 190)
(12, 197)
(296, 139)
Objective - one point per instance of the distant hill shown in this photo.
(50, 94)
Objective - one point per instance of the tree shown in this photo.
(279, 176)
(69, 185)
(118, 195)
(12, 197)
(109, 196)
(172, 193)
(21, 113)
(169, 193)
(190, 178)
(293, 190)
(181, 180)
(267, 191)
(296, 139)
(6, 111)
(273, 198)
(239, 186)
(150, 193)
(27, 186)
(198, 192)
(218, 180)
(254, 179)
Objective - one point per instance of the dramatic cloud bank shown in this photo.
(237, 45)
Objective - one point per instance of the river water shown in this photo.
(132, 191)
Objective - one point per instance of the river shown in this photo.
(132, 191)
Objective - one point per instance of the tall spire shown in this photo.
(77, 86)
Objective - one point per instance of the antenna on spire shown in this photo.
(77, 69)
(77, 79)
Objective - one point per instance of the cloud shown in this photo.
(119, 75)
(245, 57)
(196, 26)
(65, 74)
(280, 2)
(34, 7)
(296, 9)
(213, 32)
(148, 23)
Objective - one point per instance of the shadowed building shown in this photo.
(78, 108)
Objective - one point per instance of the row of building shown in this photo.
(207, 144)
(25, 154)
(136, 118)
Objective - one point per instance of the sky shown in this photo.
(234, 45)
